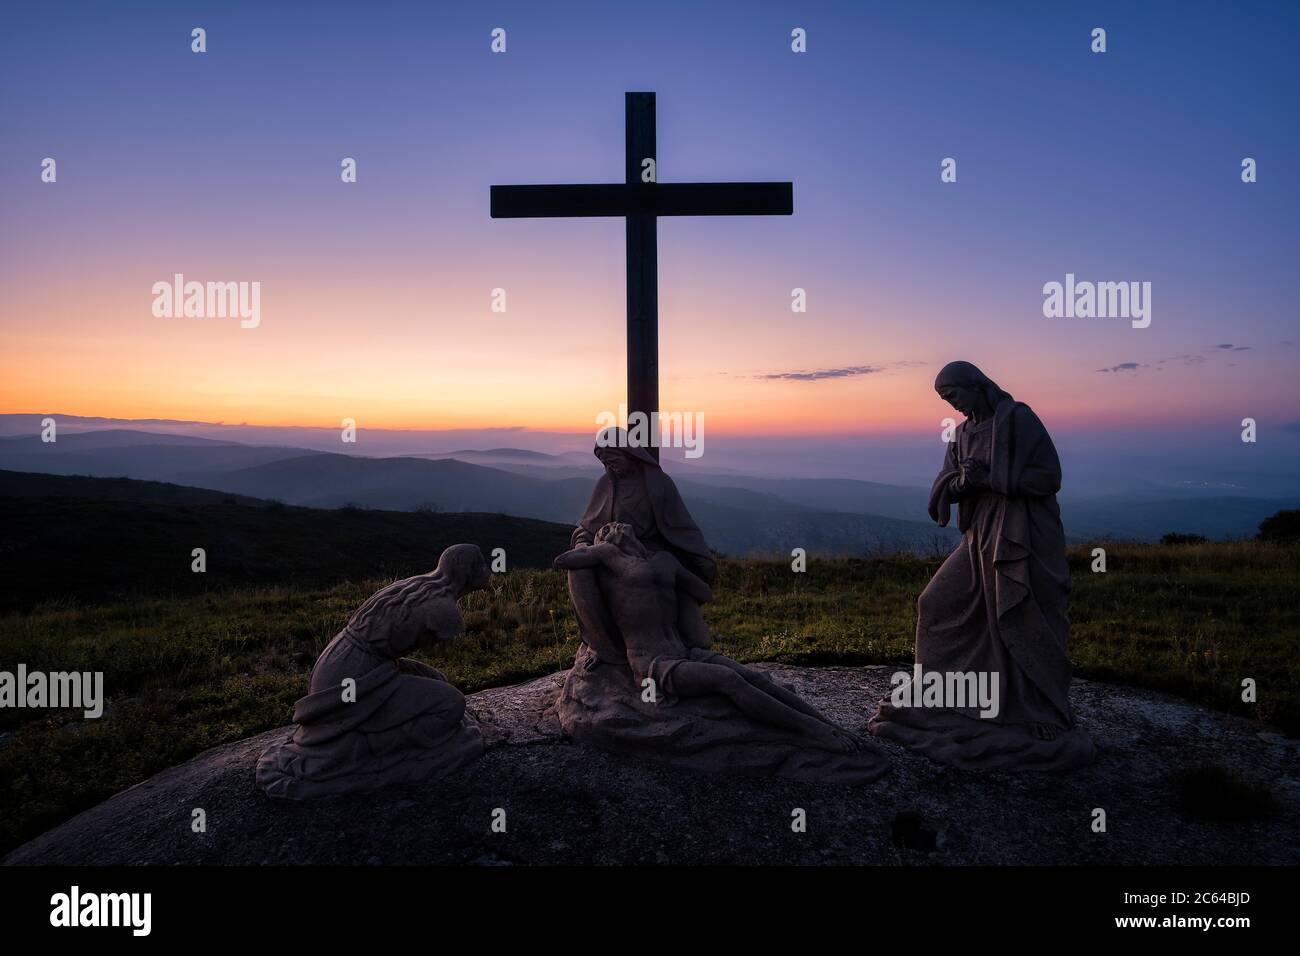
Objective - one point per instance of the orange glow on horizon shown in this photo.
(552, 363)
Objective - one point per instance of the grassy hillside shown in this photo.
(77, 540)
(192, 671)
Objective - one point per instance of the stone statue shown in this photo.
(635, 491)
(372, 717)
(997, 605)
(685, 704)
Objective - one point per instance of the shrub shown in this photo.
(1283, 526)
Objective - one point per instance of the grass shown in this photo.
(186, 673)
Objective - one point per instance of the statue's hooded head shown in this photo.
(462, 568)
(970, 391)
(618, 456)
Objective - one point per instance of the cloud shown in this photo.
(847, 371)
(851, 371)
(1191, 359)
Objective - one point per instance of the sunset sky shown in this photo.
(224, 166)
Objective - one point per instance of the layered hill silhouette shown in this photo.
(739, 514)
(735, 520)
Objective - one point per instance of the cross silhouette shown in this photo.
(641, 199)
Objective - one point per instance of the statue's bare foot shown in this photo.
(1043, 731)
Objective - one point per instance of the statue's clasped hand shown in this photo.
(974, 476)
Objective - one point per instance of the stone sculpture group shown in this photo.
(646, 681)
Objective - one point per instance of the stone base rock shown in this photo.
(570, 804)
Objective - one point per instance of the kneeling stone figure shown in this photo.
(372, 717)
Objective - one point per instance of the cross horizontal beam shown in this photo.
(637, 199)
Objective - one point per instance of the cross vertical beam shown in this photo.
(642, 265)
(641, 203)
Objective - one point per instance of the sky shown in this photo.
(376, 295)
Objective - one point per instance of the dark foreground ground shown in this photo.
(1168, 774)
(187, 672)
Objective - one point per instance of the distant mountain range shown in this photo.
(92, 539)
(739, 514)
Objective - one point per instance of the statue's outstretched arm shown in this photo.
(588, 557)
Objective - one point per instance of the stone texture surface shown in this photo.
(570, 804)
(602, 707)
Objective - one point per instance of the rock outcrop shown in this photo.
(565, 803)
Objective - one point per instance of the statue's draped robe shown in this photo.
(405, 723)
(666, 524)
(998, 605)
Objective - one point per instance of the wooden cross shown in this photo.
(641, 200)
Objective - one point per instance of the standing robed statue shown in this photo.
(997, 605)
